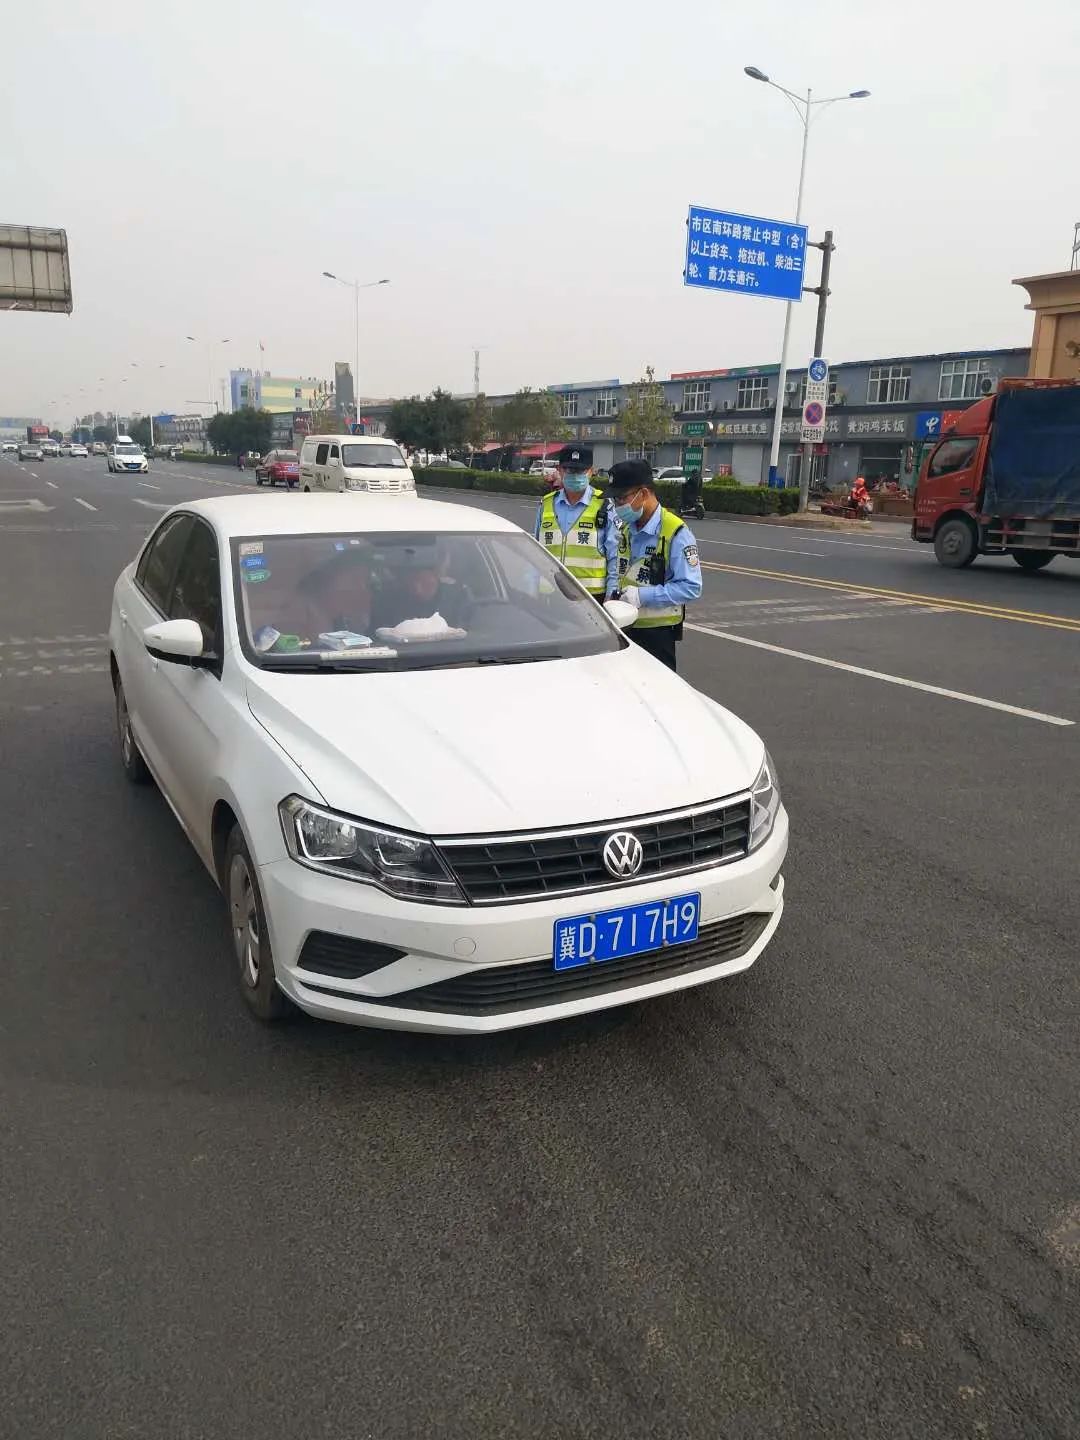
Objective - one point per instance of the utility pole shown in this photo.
(1074, 263)
(476, 370)
(826, 247)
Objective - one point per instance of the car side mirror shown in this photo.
(180, 641)
(621, 612)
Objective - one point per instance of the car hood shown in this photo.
(450, 752)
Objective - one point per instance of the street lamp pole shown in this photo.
(355, 286)
(804, 107)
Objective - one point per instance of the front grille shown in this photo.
(535, 866)
(343, 957)
(502, 989)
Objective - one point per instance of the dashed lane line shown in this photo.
(84, 503)
(882, 675)
(962, 607)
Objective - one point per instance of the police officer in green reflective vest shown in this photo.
(659, 569)
(574, 523)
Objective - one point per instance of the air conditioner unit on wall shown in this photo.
(791, 387)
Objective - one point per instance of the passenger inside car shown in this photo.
(336, 595)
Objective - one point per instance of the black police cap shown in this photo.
(630, 475)
(575, 457)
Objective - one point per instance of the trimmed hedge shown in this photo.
(720, 499)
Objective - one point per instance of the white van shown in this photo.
(354, 462)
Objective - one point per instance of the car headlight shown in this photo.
(764, 803)
(403, 865)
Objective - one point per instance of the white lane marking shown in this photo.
(147, 486)
(764, 525)
(773, 549)
(52, 639)
(52, 484)
(84, 503)
(881, 675)
(30, 503)
(153, 504)
(35, 671)
(824, 617)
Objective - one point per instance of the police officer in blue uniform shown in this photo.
(575, 523)
(659, 568)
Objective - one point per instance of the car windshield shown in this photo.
(128, 450)
(372, 457)
(406, 601)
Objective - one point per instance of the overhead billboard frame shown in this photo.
(34, 270)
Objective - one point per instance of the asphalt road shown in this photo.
(838, 1196)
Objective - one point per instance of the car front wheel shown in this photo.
(252, 954)
(130, 756)
(955, 544)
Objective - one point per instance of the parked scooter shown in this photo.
(691, 504)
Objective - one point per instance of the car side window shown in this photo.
(160, 559)
(335, 454)
(952, 455)
(321, 454)
(196, 591)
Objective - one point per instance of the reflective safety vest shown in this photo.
(651, 568)
(581, 549)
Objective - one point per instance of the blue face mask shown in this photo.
(628, 514)
(574, 486)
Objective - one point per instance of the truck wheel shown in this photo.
(955, 544)
(1033, 559)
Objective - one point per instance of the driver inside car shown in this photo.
(414, 588)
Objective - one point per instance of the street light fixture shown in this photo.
(805, 107)
(356, 286)
(209, 365)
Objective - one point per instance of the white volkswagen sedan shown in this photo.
(354, 713)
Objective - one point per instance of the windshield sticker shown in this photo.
(252, 562)
(255, 577)
(251, 547)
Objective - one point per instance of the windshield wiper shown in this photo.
(318, 667)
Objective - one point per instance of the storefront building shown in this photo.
(880, 414)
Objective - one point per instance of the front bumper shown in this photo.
(446, 943)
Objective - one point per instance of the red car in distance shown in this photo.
(278, 465)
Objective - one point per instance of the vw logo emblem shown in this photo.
(623, 854)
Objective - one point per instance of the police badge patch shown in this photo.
(691, 554)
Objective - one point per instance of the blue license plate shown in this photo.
(632, 930)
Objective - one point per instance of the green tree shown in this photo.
(104, 433)
(245, 429)
(219, 431)
(445, 421)
(478, 422)
(646, 416)
(140, 432)
(406, 423)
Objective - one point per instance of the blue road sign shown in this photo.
(819, 369)
(745, 254)
(928, 424)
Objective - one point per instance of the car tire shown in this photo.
(131, 759)
(955, 544)
(1033, 559)
(252, 956)
(307, 489)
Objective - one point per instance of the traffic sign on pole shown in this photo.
(744, 254)
(695, 427)
(816, 402)
(693, 457)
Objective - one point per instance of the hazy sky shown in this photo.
(522, 175)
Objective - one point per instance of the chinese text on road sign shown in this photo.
(815, 402)
(745, 254)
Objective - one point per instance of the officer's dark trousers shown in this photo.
(658, 640)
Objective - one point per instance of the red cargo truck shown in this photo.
(1005, 478)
